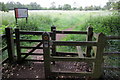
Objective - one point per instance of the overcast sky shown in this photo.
(47, 3)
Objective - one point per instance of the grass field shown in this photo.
(43, 20)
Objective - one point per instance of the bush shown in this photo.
(109, 25)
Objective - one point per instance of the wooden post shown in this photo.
(98, 67)
(53, 29)
(89, 38)
(17, 35)
(10, 44)
(46, 51)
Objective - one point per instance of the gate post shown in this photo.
(17, 35)
(46, 51)
(10, 43)
(53, 37)
(89, 38)
(101, 42)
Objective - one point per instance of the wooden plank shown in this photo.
(10, 43)
(54, 58)
(71, 32)
(32, 32)
(68, 73)
(34, 60)
(80, 52)
(30, 47)
(23, 40)
(75, 43)
(112, 68)
(32, 50)
(5, 60)
(32, 54)
(113, 37)
(53, 37)
(17, 34)
(66, 53)
(3, 36)
(98, 66)
(111, 53)
(89, 38)
(46, 51)
(3, 49)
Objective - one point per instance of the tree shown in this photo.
(53, 7)
(108, 5)
(97, 8)
(66, 7)
(116, 6)
(34, 5)
(74, 6)
(113, 5)
(80, 8)
(59, 7)
(11, 5)
(3, 7)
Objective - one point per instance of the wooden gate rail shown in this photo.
(3, 49)
(112, 53)
(10, 45)
(71, 32)
(112, 38)
(19, 47)
(89, 34)
(75, 43)
(32, 32)
(97, 59)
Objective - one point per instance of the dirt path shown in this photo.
(60, 36)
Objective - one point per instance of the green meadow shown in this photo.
(43, 20)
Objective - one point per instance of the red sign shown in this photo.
(21, 12)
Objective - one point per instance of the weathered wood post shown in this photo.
(99, 55)
(10, 43)
(53, 37)
(17, 35)
(89, 38)
(46, 51)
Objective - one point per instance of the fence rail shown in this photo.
(75, 43)
(113, 37)
(71, 32)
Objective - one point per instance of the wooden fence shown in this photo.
(97, 59)
(8, 36)
(49, 49)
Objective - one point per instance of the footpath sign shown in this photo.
(21, 13)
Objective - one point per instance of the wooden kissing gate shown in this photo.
(94, 42)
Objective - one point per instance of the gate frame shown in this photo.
(98, 60)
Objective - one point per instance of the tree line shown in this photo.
(34, 6)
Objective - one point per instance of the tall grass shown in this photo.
(42, 21)
(108, 24)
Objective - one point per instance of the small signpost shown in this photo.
(21, 13)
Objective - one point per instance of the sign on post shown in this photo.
(21, 13)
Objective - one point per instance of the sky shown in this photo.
(74, 3)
